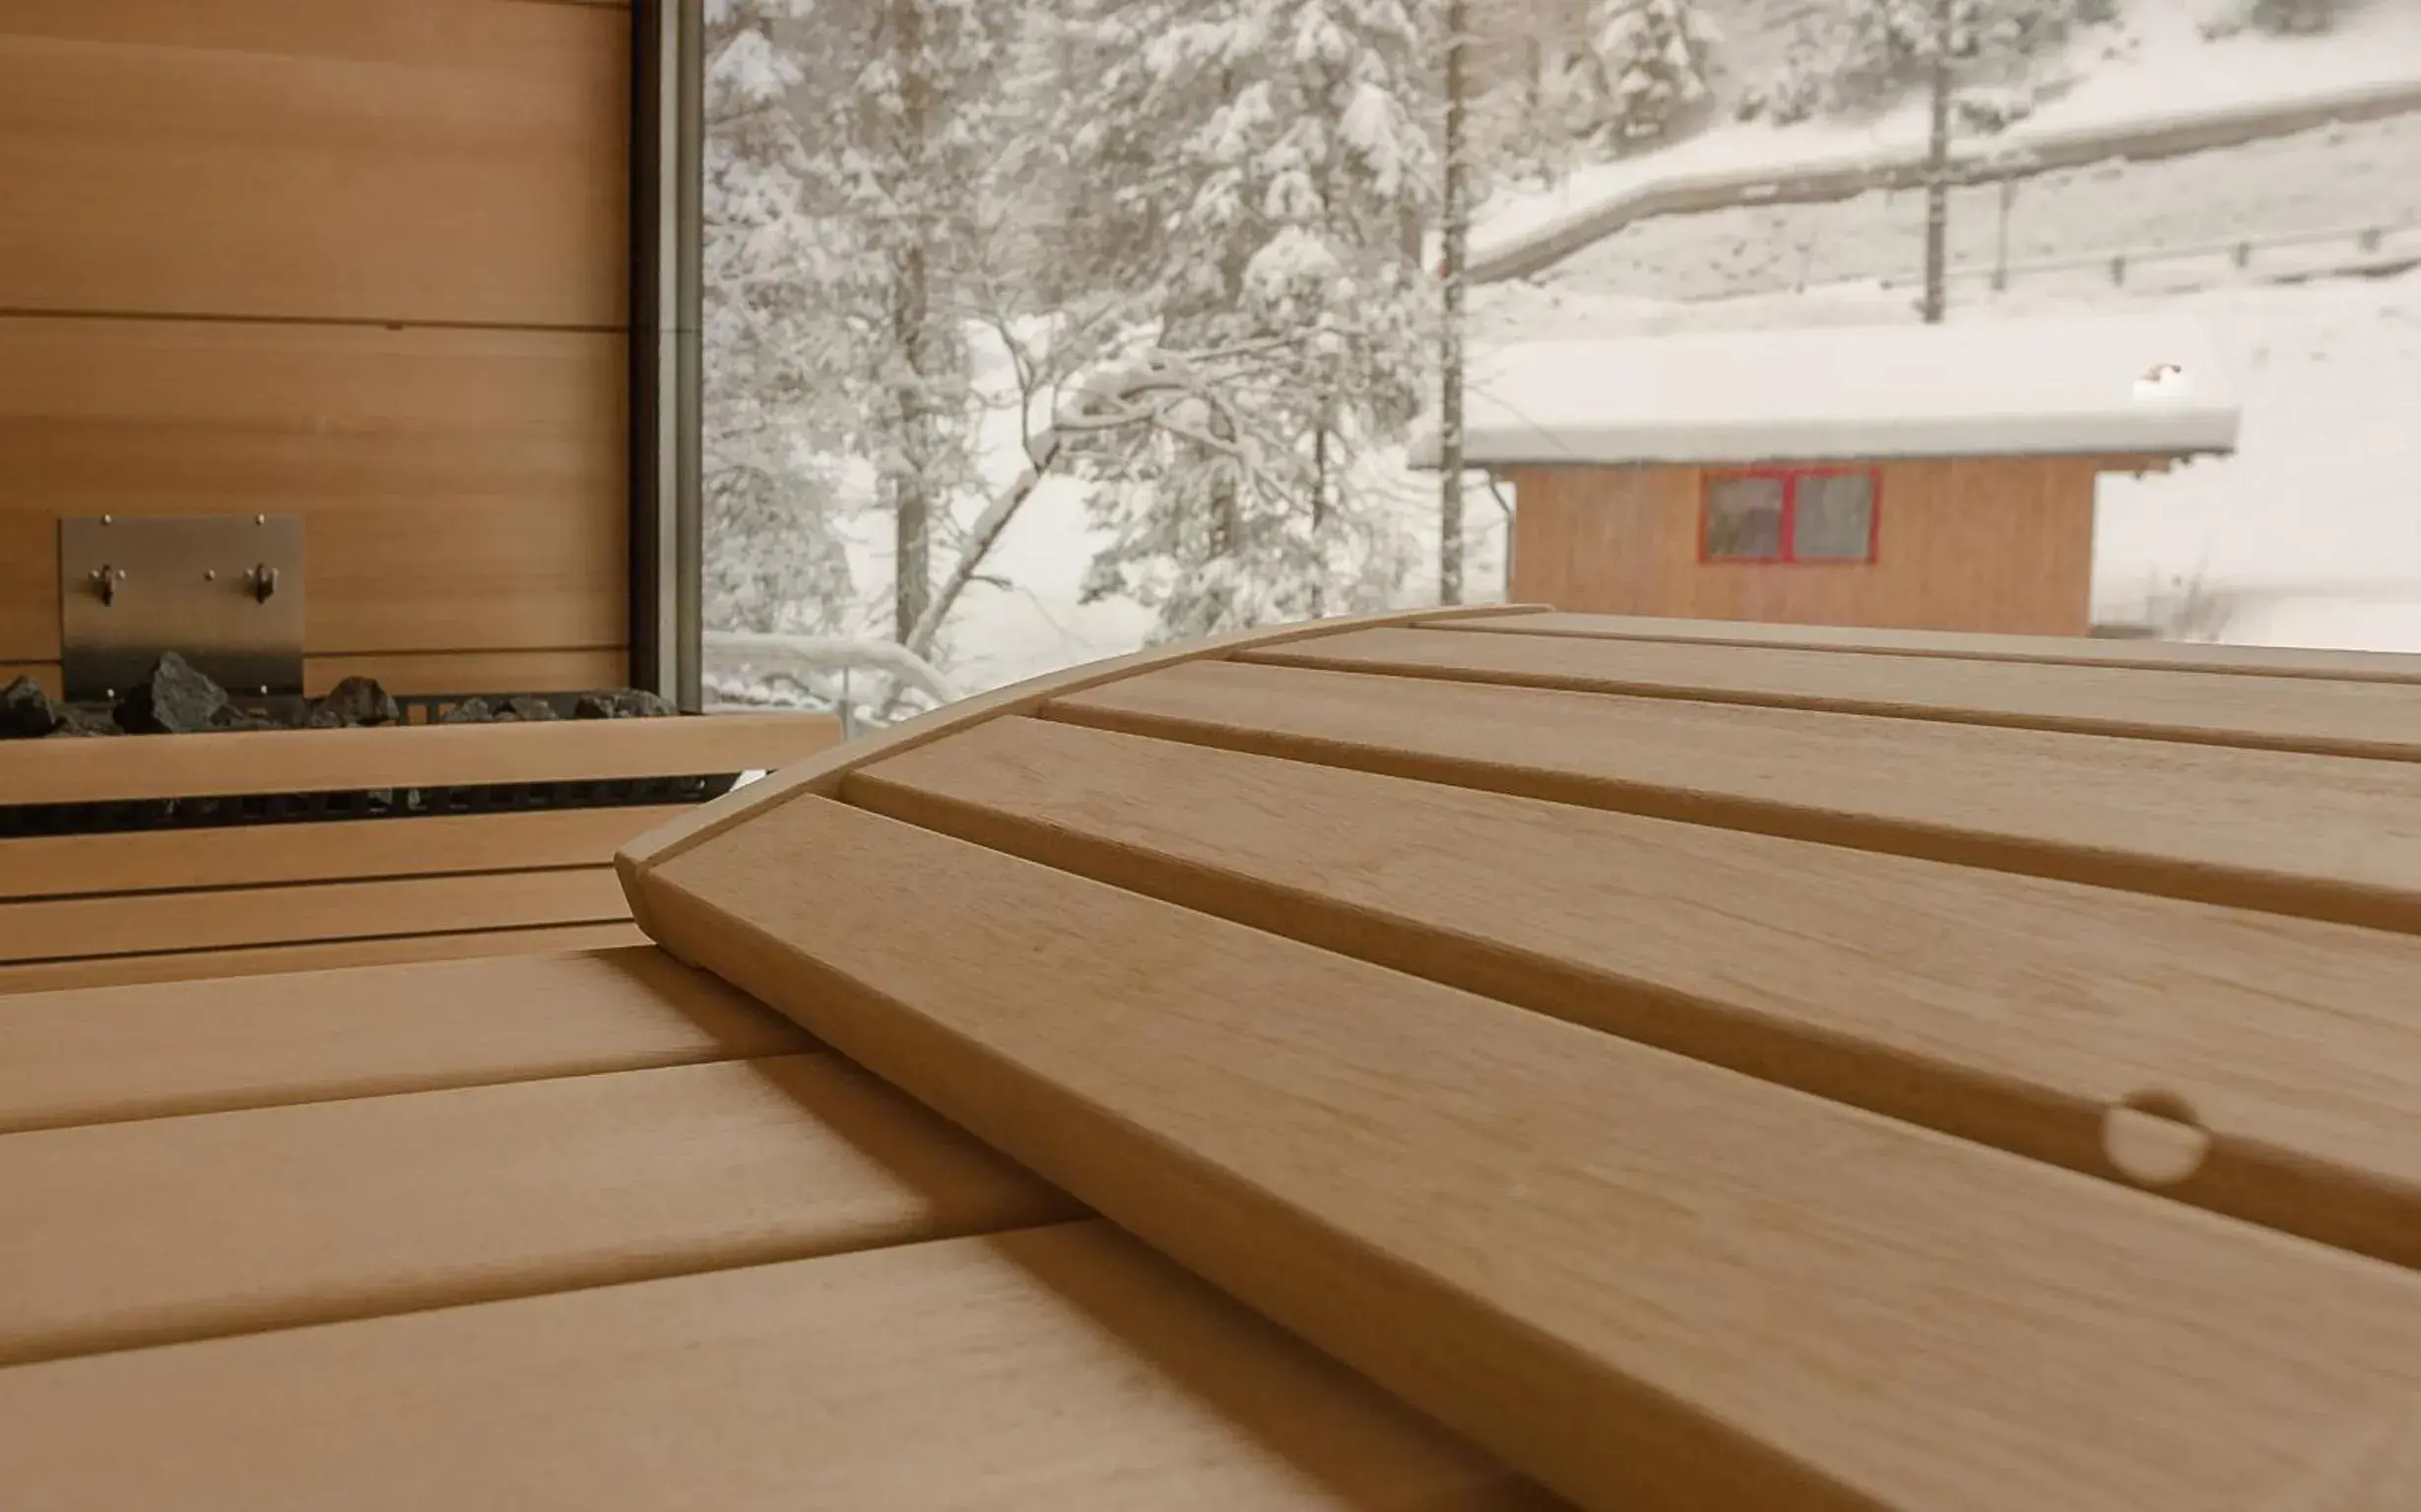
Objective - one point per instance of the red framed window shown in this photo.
(1791, 514)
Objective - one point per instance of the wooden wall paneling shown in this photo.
(120, 1053)
(1697, 1272)
(437, 161)
(2327, 837)
(462, 489)
(1042, 1371)
(45, 674)
(1877, 981)
(287, 1216)
(93, 971)
(2361, 719)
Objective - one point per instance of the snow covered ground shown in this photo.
(2154, 67)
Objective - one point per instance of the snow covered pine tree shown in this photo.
(1652, 61)
(774, 560)
(1255, 176)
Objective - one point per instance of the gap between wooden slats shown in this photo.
(269, 960)
(1061, 1369)
(113, 1054)
(1652, 1282)
(2008, 1009)
(2354, 720)
(2327, 838)
(2159, 655)
(177, 1229)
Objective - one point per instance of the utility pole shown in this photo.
(1937, 172)
(1456, 256)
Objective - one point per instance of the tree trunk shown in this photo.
(918, 461)
(1937, 173)
(1456, 239)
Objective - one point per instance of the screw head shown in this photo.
(260, 519)
(108, 519)
(209, 574)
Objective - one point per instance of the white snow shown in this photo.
(2158, 70)
(2107, 384)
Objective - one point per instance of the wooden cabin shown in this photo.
(1914, 477)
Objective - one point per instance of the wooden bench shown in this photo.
(1512, 1052)
(230, 897)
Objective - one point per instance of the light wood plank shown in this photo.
(419, 755)
(1652, 1282)
(825, 777)
(475, 672)
(2156, 655)
(62, 866)
(2008, 1009)
(1042, 1371)
(2358, 719)
(271, 960)
(2325, 837)
(232, 918)
(352, 160)
(280, 1217)
(460, 490)
(114, 1053)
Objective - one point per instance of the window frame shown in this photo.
(1790, 477)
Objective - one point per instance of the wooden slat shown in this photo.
(279, 1217)
(421, 755)
(475, 672)
(222, 919)
(825, 777)
(44, 673)
(460, 490)
(456, 161)
(57, 866)
(1649, 1282)
(2358, 719)
(271, 961)
(1042, 1371)
(117, 1053)
(2326, 836)
(2158, 655)
(2008, 1009)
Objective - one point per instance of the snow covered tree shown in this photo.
(772, 558)
(1256, 177)
(1869, 54)
(1652, 60)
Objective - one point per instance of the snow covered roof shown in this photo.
(2151, 384)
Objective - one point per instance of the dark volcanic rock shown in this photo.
(75, 722)
(532, 709)
(171, 699)
(27, 712)
(351, 703)
(233, 718)
(469, 711)
(622, 703)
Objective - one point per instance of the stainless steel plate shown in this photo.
(224, 591)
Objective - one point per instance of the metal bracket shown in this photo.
(223, 591)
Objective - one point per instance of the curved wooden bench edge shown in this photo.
(823, 773)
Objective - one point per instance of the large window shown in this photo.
(1803, 514)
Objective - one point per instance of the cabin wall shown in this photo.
(2001, 545)
(364, 261)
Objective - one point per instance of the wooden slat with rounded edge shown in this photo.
(2008, 1009)
(416, 755)
(287, 1216)
(67, 866)
(2323, 836)
(1041, 1371)
(2155, 655)
(2357, 719)
(273, 960)
(1651, 1282)
(110, 1054)
(234, 918)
